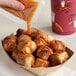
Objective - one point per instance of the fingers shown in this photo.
(16, 5)
(12, 4)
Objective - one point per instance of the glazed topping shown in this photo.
(41, 63)
(57, 45)
(23, 38)
(44, 52)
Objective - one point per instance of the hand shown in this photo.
(15, 4)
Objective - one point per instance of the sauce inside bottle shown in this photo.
(27, 13)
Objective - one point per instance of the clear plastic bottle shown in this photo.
(20, 21)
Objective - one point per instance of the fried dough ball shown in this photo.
(41, 39)
(44, 52)
(42, 34)
(9, 43)
(20, 32)
(40, 42)
(25, 59)
(57, 45)
(58, 58)
(23, 38)
(49, 38)
(27, 46)
(41, 63)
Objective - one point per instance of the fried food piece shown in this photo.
(42, 34)
(9, 43)
(57, 45)
(33, 33)
(58, 58)
(41, 39)
(41, 63)
(25, 59)
(23, 38)
(27, 46)
(40, 42)
(49, 38)
(44, 52)
(14, 54)
(20, 32)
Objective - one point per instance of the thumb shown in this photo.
(13, 4)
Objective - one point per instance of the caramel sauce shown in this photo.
(27, 13)
(28, 27)
(30, 47)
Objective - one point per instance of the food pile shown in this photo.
(35, 49)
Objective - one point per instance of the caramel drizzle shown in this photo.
(28, 27)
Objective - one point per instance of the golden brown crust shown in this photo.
(58, 58)
(41, 34)
(44, 52)
(57, 45)
(49, 38)
(27, 46)
(9, 43)
(41, 63)
(23, 38)
(40, 42)
(41, 39)
(25, 59)
(14, 54)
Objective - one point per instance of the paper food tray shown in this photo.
(44, 71)
(41, 71)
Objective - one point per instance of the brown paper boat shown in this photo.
(44, 71)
